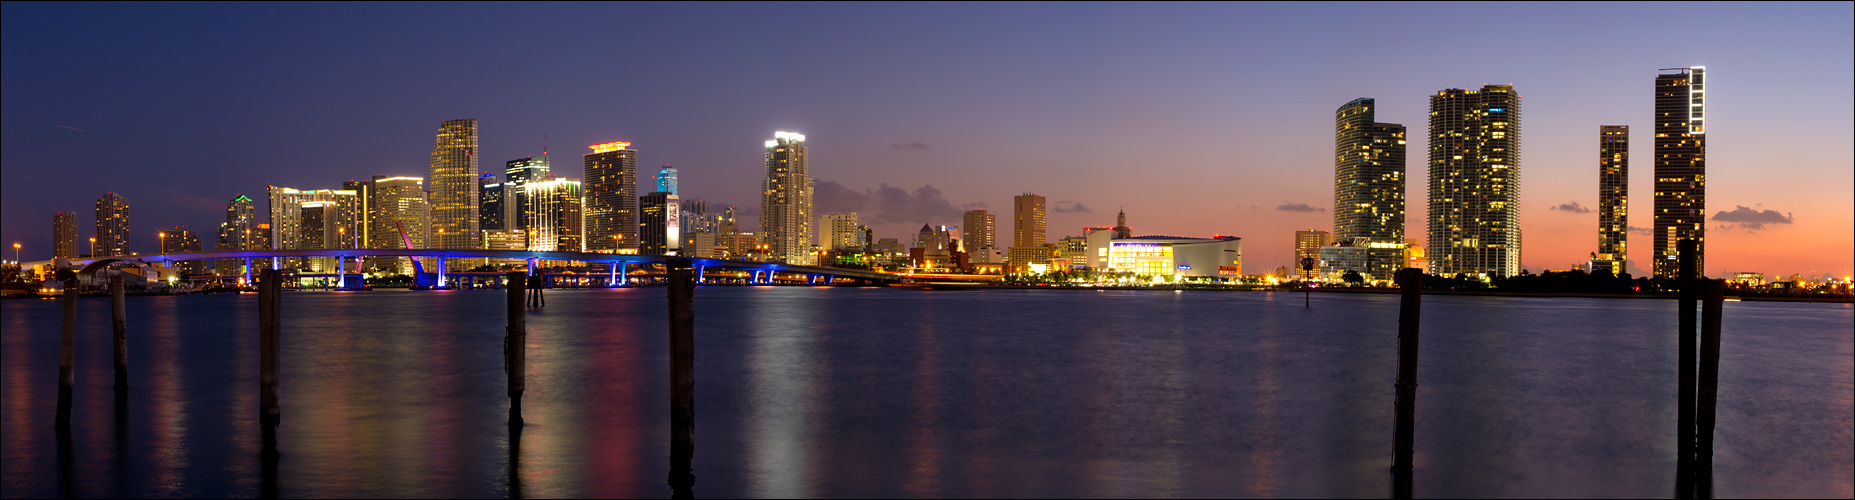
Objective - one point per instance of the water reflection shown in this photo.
(781, 405)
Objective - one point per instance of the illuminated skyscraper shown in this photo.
(658, 230)
(332, 227)
(1680, 167)
(612, 198)
(1368, 174)
(453, 186)
(1027, 217)
(180, 239)
(1613, 199)
(666, 179)
(981, 230)
(64, 235)
(786, 200)
(515, 199)
(235, 234)
(1307, 246)
(112, 225)
(491, 209)
(400, 220)
(1475, 182)
(556, 227)
(837, 231)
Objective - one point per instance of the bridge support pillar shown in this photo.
(622, 279)
(247, 280)
(341, 272)
(611, 279)
(441, 272)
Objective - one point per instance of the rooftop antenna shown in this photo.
(544, 144)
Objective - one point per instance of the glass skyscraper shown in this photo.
(112, 225)
(1368, 186)
(786, 200)
(1680, 166)
(1475, 182)
(1613, 199)
(666, 179)
(453, 185)
(611, 198)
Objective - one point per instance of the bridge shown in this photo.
(757, 272)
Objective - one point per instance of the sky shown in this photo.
(1195, 119)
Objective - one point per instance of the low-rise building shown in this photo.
(1177, 257)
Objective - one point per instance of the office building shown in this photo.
(1613, 199)
(1474, 226)
(666, 179)
(1027, 215)
(492, 211)
(659, 228)
(556, 227)
(400, 221)
(180, 239)
(64, 235)
(517, 174)
(840, 231)
(1680, 167)
(786, 200)
(612, 198)
(1307, 246)
(452, 183)
(981, 229)
(235, 234)
(112, 225)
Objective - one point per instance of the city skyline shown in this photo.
(1222, 174)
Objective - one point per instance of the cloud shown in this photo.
(1752, 219)
(73, 128)
(1572, 207)
(1072, 207)
(829, 197)
(887, 204)
(972, 206)
(1298, 207)
(1641, 230)
(913, 146)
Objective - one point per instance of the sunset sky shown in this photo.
(1196, 119)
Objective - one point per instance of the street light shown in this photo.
(16, 252)
(93, 247)
(163, 235)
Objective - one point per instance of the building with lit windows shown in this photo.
(235, 234)
(666, 179)
(1307, 246)
(1027, 217)
(786, 200)
(557, 224)
(1369, 183)
(659, 231)
(334, 223)
(64, 235)
(612, 198)
(1177, 257)
(492, 211)
(515, 200)
(452, 182)
(1613, 199)
(1680, 167)
(1371, 259)
(400, 220)
(180, 239)
(112, 225)
(1474, 226)
(980, 235)
(840, 231)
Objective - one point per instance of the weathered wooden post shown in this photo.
(67, 352)
(270, 333)
(1410, 309)
(515, 348)
(1715, 292)
(682, 290)
(119, 320)
(1687, 263)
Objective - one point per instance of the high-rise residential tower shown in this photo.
(1475, 182)
(837, 231)
(666, 179)
(1368, 174)
(557, 225)
(515, 202)
(112, 225)
(981, 230)
(786, 200)
(64, 235)
(235, 234)
(453, 185)
(1680, 167)
(1027, 217)
(180, 239)
(1613, 199)
(330, 227)
(611, 198)
(1307, 246)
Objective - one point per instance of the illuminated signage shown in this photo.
(609, 147)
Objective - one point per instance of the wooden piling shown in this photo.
(1715, 297)
(682, 289)
(515, 348)
(119, 321)
(1688, 268)
(67, 354)
(1410, 309)
(270, 336)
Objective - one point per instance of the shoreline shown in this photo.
(1484, 293)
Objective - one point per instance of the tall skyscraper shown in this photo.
(1475, 182)
(839, 231)
(557, 226)
(658, 230)
(518, 173)
(453, 185)
(1027, 217)
(180, 239)
(112, 225)
(1307, 246)
(332, 227)
(612, 198)
(64, 235)
(401, 218)
(491, 209)
(786, 200)
(1613, 199)
(1368, 174)
(235, 234)
(1680, 167)
(666, 179)
(981, 230)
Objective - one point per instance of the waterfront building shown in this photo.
(981, 229)
(516, 174)
(612, 198)
(1474, 194)
(1074, 249)
(1749, 278)
(840, 231)
(1099, 238)
(786, 200)
(1370, 258)
(1680, 167)
(235, 234)
(745, 245)
(180, 239)
(1177, 257)
(704, 246)
(659, 230)
(492, 209)
(1307, 246)
(453, 185)
(261, 240)
(557, 224)
(666, 179)
(287, 229)
(64, 235)
(400, 221)
(1027, 215)
(504, 239)
(1613, 199)
(112, 225)
(1368, 174)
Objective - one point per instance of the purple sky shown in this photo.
(1198, 119)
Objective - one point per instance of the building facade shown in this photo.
(557, 224)
(612, 198)
(1613, 199)
(492, 210)
(1474, 226)
(1680, 167)
(1027, 216)
(659, 230)
(112, 225)
(981, 229)
(1175, 257)
(666, 179)
(452, 182)
(180, 239)
(1307, 246)
(241, 219)
(64, 235)
(400, 221)
(515, 199)
(839, 231)
(786, 200)
(1369, 183)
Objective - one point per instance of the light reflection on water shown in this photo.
(867, 392)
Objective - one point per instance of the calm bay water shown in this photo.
(899, 393)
